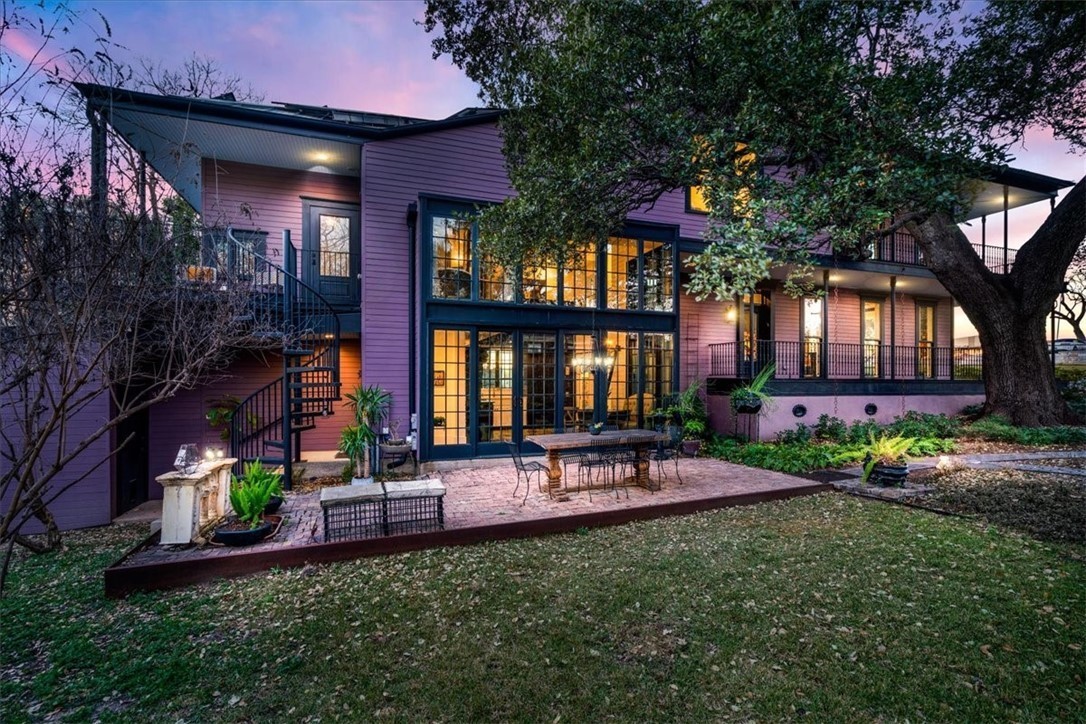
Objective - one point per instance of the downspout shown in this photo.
(412, 392)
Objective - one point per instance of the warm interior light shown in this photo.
(730, 315)
(321, 156)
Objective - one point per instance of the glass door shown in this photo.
(538, 400)
(330, 248)
(872, 337)
(494, 416)
(925, 339)
(813, 322)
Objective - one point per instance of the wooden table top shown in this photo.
(569, 440)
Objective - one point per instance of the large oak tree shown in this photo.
(813, 126)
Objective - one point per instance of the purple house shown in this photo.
(382, 261)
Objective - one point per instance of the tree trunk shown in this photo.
(1010, 310)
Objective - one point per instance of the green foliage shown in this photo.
(801, 434)
(1070, 373)
(832, 429)
(785, 458)
(998, 429)
(754, 392)
(884, 450)
(251, 493)
(686, 405)
(370, 405)
(925, 424)
(694, 429)
(355, 442)
(220, 413)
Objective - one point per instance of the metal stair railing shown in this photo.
(304, 325)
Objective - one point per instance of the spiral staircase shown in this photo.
(288, 315)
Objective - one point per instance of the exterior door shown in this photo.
(756, 329)
(331, 243)
(925, 340)
(131, 462)
(872, 337)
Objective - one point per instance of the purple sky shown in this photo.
(373, 56)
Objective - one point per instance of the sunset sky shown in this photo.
(374, 56)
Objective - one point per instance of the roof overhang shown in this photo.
(1010, 188)
(175, 134)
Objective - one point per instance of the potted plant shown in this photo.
(370, 405)
(693, 433)
(749, 399)
(395, 451)
(256, 474)
(595, 428)
(884, 461)
(248, 498)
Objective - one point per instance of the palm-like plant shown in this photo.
(754, 393)
(370, 405)
(886, 451)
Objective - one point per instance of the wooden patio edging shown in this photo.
(121, 580)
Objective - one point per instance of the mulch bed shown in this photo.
(984, 447)
(1047, 506)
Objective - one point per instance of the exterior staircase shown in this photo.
(291, 316)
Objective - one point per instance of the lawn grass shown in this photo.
(830, 606)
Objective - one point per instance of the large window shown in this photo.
(638, 274)
(925, 339)
(452, 247)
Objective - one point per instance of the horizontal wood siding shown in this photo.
(465, 163)
(786, 318)
(183, 419)
(700, 324)
(89, 501)
(267, 199)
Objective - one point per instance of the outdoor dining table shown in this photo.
(557, 443)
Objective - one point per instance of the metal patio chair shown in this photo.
(668, 450)
(527, 470)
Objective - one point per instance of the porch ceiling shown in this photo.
(878, 282)
(989, 198)
(175, 145)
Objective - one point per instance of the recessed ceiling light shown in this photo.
(321, 156)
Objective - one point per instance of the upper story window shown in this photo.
(631, 273)
(640, 274)
(452, 268)
(697, 199)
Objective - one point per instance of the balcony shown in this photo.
(901, 248)
(815, 360)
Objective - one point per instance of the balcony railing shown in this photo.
(901, 248)
(813, 359)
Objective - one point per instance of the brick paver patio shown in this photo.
(484, 495)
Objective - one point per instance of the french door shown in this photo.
(490, 387)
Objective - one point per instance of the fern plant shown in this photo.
(250, 494)
(884, 450)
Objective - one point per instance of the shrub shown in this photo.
(924, 424)
(997, 429)
(862, 430)
(1070, 373)
(972, 411)
(831, 428)
(802, 434)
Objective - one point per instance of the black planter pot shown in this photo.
(273, 505)
(594, 431)
(749, 408)
(889, 476)
(245, 537)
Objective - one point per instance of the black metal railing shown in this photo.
(814, 359)
(297, 318)
(901, 248)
